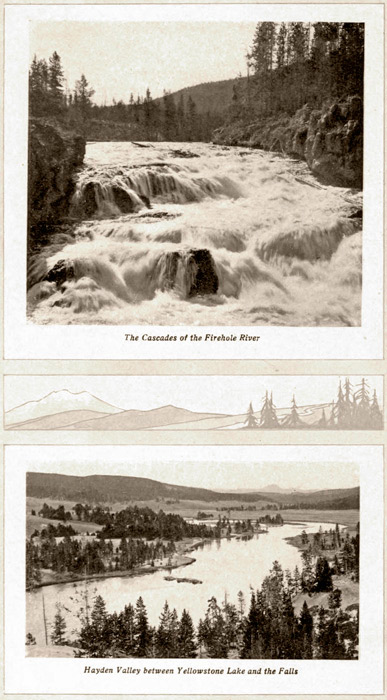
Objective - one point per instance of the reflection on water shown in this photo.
(231, 238)
(225, 567)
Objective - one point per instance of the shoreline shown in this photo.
(182, 560)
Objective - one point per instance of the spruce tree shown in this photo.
(142, 631)
(58, 627)
(55, 84)
(305, 626)
(293, 420)
(186, 645)
(251, 421)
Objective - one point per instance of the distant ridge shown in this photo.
(209, 97)
(106, 488)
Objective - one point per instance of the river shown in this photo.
(224, 567)
(234, 237)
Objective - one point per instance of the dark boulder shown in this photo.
(202, 275)
(62, 271)
(123, 200)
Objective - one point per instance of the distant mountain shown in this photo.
(64, 410)
(121, 489)
(274, 488)
(58, 402)
(210, 97)
(155, 418)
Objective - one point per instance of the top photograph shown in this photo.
(210, 175)
(194, 173)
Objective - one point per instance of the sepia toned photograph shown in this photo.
(262, 565)
(184, 403)
(202, 173)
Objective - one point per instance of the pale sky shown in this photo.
(118, 58)
(215, 394)
(224, 467)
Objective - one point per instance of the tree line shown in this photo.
(294, 63)
(143, 117)
(269, 629)
(354, 409)
(72, 556)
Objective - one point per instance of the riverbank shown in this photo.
(179, 559)
(329, 140)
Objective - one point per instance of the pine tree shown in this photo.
(323, 575)
(82, 98)
(59, 627)
(268, 418)
(213, 632)
(55, 84)
(192, 120)
(376, 416)
(251, 421)
(281, 45)
(142, 631)
(362, 406)
(305, 626)
(186, 645)
(293, 420)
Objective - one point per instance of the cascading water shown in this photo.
(201, 236)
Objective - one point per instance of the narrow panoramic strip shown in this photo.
(108, 403)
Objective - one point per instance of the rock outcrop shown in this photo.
(329, 140)
(54, 153)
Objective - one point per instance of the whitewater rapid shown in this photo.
(196, 234)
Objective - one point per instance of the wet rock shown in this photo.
(123, 200)
(62, 271)
(203, 278)
(89, 200)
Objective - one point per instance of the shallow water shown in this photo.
(232, 238)
(225, 567)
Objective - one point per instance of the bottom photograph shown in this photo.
(187, 553)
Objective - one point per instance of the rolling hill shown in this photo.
(210, 97)
(104, 488)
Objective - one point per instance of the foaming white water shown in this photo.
(202, 236)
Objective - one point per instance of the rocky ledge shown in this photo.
(329, 140)
(54, 154)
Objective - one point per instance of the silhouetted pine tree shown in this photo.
(268, 419)
(293, 420)
(251, 421)
(376, 416)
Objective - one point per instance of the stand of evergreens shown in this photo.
(354, 409)
(294, 63)
(142, 118)
(269, 629)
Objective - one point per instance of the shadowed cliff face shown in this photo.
(54, 153)
(330, 141)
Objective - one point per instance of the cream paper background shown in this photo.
(36, 675)
(306, 343)
(24, 340)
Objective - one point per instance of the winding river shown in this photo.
(198, 234)
(225, 567)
